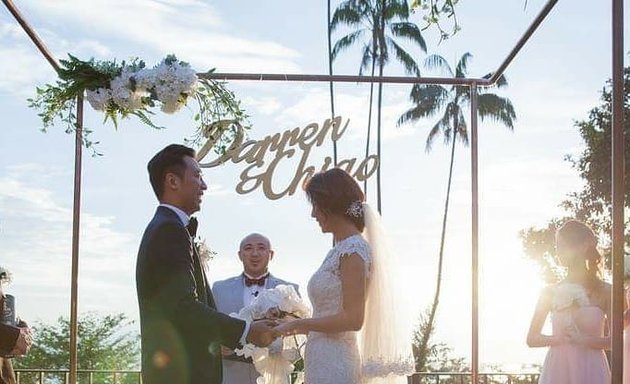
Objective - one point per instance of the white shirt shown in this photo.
(183, 216)
(250, 293)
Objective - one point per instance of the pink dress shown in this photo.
(573, 364)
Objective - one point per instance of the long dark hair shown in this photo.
(576, 233)
(334, 191)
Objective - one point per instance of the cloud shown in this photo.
(27, 68)
(36, 235)
(194, 30)
(266, 105)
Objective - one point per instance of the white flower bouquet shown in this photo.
(568, 296)
(276, 362)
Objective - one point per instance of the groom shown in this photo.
(255, 252)
(181, 329)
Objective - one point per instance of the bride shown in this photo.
(354, 336)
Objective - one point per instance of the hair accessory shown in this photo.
(355, 209)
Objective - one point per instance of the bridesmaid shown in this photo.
(579, 309)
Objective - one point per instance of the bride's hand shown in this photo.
(290, 328)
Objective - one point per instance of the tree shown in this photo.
(105, 343)
(381, 22)
(593, 203)
(431, 99)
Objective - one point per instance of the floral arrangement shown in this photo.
(205, 253)
(124, 89)
(569, 295)
(276, 362)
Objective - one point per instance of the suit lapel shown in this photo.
(201, 282)
(272, 282)
(239, 292)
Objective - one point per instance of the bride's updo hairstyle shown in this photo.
(336, 192)
(576, 233)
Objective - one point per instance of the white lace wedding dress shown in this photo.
(333, 358)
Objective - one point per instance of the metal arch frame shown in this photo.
(617, 159)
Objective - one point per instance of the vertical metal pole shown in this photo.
(78, 146)
(331, 84)
(475, 235)
(617, 191)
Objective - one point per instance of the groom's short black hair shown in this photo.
(168, 160)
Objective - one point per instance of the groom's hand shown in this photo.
(261, 333)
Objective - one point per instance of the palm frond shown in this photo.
(345, 42)
(433, 62)
(404, 58)
(497, 108)
(443, 126)
(346, 13)
(432, 97)
(396, 9)
(366, 58)
(409, 31)
(461, 69)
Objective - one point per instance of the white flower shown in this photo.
(99, 98)
(123, 93)
(6, 277)
(146, 78)
(276, 362)
(173, 83)
(567, 295)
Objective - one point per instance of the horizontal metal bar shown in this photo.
(345, 78)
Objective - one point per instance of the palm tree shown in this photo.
(378, 24)
(431, 99)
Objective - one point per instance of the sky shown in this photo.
(555, 80)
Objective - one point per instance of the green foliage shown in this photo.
(434, 14)
(593, 203)
(104, 343)
(57, 102)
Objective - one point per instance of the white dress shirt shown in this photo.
(185, 219)
(250, 293)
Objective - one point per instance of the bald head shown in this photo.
(254, 239)
(255, 252)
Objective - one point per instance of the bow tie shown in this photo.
(260, 281)
(192, 226)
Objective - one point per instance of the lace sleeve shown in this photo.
(356, 245)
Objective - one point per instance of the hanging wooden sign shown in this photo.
(259, 173)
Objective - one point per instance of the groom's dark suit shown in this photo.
(181, 330)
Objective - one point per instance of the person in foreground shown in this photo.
(14, 341)
(181, 329)
(350, 292)
(579, 307)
